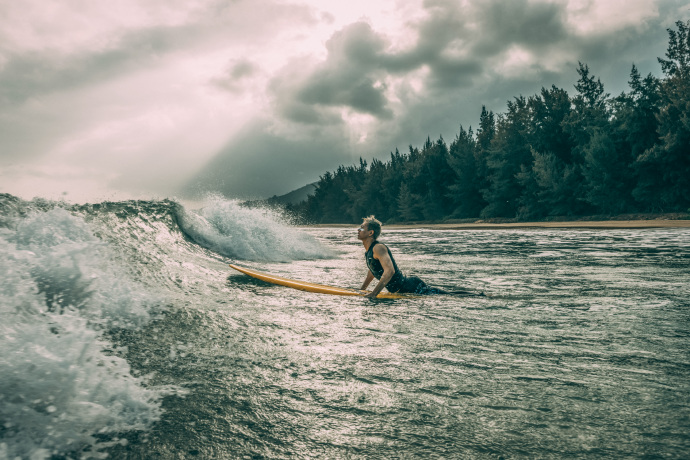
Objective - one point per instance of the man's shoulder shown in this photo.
(380, 248)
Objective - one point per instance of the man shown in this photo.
(382, 266)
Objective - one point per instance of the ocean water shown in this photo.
(124, 334)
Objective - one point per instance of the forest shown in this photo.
(550, 154)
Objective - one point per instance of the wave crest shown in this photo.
(259, 234)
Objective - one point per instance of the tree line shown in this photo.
(550, 154)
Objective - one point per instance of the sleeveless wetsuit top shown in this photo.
(376, 268)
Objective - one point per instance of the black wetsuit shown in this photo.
(399, 282)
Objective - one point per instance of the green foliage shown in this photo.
(548, 111)
(549, 155)
(678, 52)
(509, 152)
(558, 185)
(409, 205)
(665, 167)
(606, 175)
(464, 194)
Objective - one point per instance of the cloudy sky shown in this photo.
(161, 98)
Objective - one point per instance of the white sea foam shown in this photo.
(58, 385)
(227, 228)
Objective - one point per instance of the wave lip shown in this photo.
(257, 234)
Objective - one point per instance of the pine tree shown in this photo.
(391, 181)
(371, 198)
(438, 176)
(606, 174)
(546, 138)
(555, 181)
(640, 119)
(509, 152)
(633, 130)
(589, 115)
(485, 134)
(464, 194)
(549, 110)
(665, 168)
(589, 111)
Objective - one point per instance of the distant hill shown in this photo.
(294, 197)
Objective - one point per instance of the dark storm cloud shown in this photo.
(259, 164)
(454, 42)
(348, 78)
(480, 34)
(346, 89)
(534, 25)
(285, 90)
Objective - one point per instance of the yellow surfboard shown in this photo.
(311, 287)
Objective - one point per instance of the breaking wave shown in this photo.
(72, 273)
(258, 234)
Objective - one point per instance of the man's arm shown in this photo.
(367, 280)
(381, 254)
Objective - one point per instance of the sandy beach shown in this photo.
(480, 225)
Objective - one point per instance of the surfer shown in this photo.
(382, 266)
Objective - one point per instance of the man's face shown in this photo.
(363, 232)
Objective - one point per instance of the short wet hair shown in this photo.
(373, 224)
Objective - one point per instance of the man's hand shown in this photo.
(371, 295)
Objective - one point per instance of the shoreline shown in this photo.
(583, 224)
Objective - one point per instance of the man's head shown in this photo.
(371, 224)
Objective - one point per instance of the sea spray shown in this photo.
(59, 389)
(73, 269)
(59, 385)
(257, 234)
